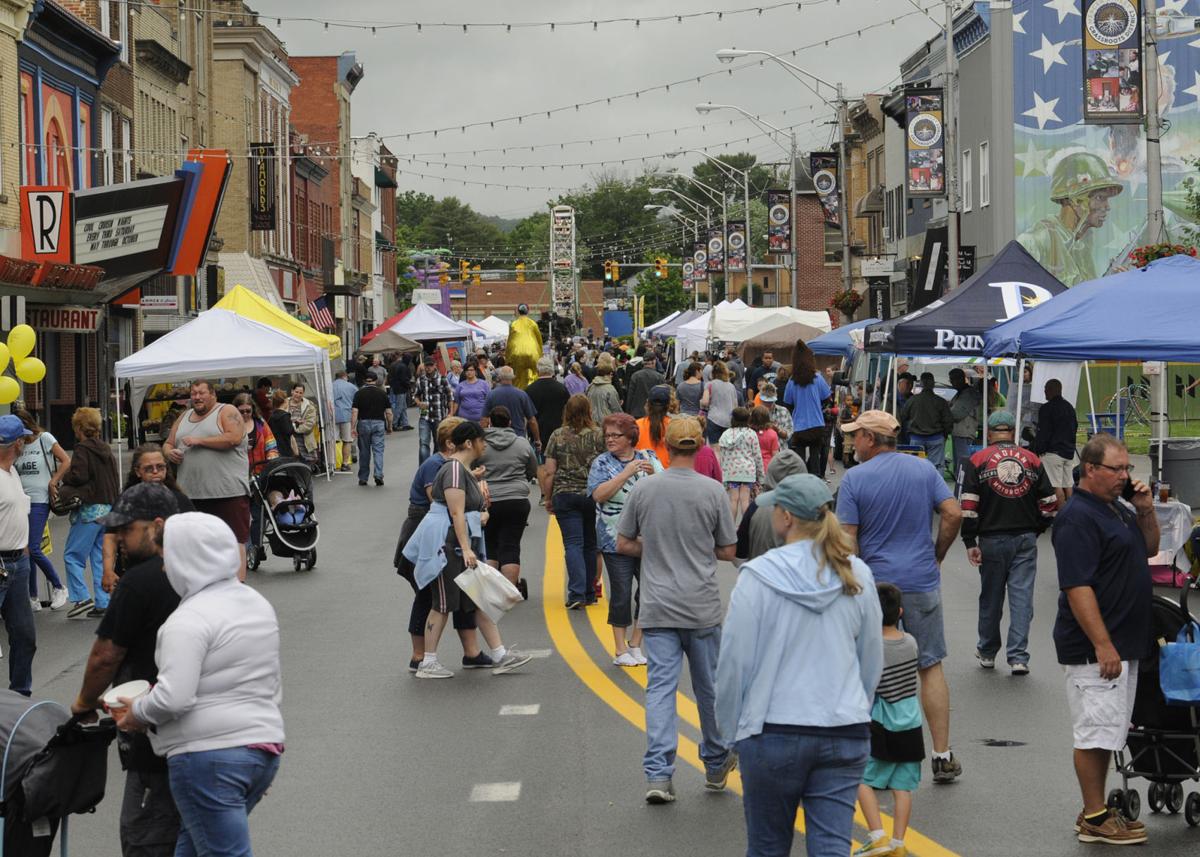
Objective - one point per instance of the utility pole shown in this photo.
(792, 226)
(844, 193)
(951, 116)
(1154, 202)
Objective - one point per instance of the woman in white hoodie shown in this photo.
(215, 707)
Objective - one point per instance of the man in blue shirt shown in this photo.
(886, 503)
(520, 406)
(343, 401)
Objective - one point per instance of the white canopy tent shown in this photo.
(222, 344)
(420, 322)
(727, 322)
(484, 336)
(495, 324)
(650, 328)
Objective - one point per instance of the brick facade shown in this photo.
(501, 297)
(817, 279)
(13, 14)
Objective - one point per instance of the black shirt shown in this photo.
(549, 398)
(371, 403)
(400, 377)
(1056, 428)
(1099, 544)
(141, 603)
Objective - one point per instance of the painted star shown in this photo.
(1018, 17)
(1195, 44)
(1033, 160)
(1063, 8)
(1050, 53)
(1171, 7)
(1043, 111)
(1194, 89)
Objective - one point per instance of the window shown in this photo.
(127, 150)
(985, 175)
(106, 145)
(200, 57)
(965, 180)
(105, 13)
(123, 28)
(833, 244)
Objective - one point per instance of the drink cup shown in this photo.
(1164, 491)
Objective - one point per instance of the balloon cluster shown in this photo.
(21, 340)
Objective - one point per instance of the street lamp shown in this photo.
(713, 194)
(728, 55)
(732, 172)
(695, 224)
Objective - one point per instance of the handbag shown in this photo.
(489, 589)
(65, 500)
(1179, 667)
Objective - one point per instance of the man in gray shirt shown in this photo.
(679, 545)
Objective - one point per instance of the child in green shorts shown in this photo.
(897, 747)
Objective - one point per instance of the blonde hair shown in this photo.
(86, 422)
(831, 544)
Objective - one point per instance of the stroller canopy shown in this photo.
(25, 741)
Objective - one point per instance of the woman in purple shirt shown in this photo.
(575, 382)
(470, 395)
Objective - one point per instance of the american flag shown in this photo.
(318, 310)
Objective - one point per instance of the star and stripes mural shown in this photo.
(1058, 154)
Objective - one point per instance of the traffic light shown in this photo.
(476, 278)
(616, 272)
(464, 271)
(660, 267)
(520, 272)
(444, 277)
(608, 275)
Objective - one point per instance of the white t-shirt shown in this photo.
(35, 465)
(14, 512)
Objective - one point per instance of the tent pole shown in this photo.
(1020, 392)
(1163, 419)
(986, 397)
(1118, 384)
(1087, 372)
(895, 371)
(325, 438)
(120, 467)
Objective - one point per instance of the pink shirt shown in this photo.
(768, 442)
(706, 463)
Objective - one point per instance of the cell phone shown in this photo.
(1127, 492)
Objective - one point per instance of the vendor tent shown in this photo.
(726, 321)
(652, 328)
(672, 327)
(483, 335)
(221, 343)
(775, 332)
(839, 342)
(495, 324)
(954, 325)
(421, 322)
(249, 305)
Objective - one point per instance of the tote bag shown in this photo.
(489, 589)
(1179, 667)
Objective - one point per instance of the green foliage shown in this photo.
(663, 295)
(609, 216)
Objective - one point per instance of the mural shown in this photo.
(1081, 189)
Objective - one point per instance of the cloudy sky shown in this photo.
(441, 78)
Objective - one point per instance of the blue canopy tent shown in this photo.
(838, 343)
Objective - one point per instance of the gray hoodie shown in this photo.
(510, 464)
(219, 680)
(762, 535)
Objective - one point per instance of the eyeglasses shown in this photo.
(245, 411)
(153, 468)
(1127, 469)
(616, 436)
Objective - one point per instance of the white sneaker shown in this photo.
(58, 599)
(35, 605)
(625, 659)
(638, 656)
(434, 670)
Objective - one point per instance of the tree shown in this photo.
(761, 179)
(663, 295)
(529, 242)
(454, 224)
(412, 208)
(611, 220)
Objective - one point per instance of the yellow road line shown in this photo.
(565, 640)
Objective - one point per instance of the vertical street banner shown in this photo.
(689, 269)
(700, 260)
(716, 250)
(931, 275)
(779, 221)
(925, 143)
(1112, 61)
(735, 246)
(823, 166)
(262, 187)
(881, 301)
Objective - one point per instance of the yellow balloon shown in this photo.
(9, 389)
(21, 340)
(4, 356)
(31, 370)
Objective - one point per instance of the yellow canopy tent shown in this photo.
(249, 305)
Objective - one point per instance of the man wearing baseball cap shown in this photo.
(14, 558)
(885, 503)
(124, 651)
(679, 544)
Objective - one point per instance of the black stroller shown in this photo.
(1164, 744)
(282, 495)
(53, 766)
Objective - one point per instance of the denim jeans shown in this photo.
(782, 771)
(18, 621)
(370, 444)
(85, 541)
(962, 451)
(215, 790)
(622, 603)
(399, 409)
(934, 446)
(576, 515)
(664, 649)
(425, 429)
(38, 513)
(1009, 562)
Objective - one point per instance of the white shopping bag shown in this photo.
(489, 589)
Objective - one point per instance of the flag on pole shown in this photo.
(318, 311)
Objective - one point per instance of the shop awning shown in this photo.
(870, 203)
(249, 305)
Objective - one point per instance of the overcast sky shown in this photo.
(445, 77)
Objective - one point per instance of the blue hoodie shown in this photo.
(795, 649)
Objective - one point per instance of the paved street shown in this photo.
(546, 761)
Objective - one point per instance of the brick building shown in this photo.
(313, 207)
(13, 15)
(501, 297)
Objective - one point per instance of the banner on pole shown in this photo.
(700, 259)
(779, 221)
(262, 187)
(689, 269)
(1112, 61)
(716, 251)
(823, 167)
(735, 244)
(925, 143)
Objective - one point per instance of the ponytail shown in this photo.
(831, 544)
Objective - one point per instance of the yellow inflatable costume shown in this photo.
(524, 347)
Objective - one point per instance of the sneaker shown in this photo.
(1132, 825)
(625, 659)
(58, 599)
(1115, 830)
(574, 604)
(660, 791)
(378, 481)
(714, 780)
(362, 483)
(35, 605)
(406, 428)
(946, 770)
(512, 660)
(1020, 669)
(96, 613)
(638, 656)
(880, 847)
(80, 608)
(434, 670)
(898, 851)
(988, 662)
(480, 662)
(414, 665)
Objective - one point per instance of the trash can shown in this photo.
(1180, 465)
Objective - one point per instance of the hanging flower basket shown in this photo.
(1143, 256)
(846, 301)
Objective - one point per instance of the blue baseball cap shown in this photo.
(802, 494)
(12, 429)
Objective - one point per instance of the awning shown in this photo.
(242, 269)
(382, 179)
(870, 203)
(249, 305)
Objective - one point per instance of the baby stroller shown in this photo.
(1164, 743)
(53, 766)
(283, 494)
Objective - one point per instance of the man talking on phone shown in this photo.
(1102, 540)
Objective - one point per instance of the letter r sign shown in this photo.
(46, 224)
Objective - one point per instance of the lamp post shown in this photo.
(728, 55)
(712, 193)
(695, 224)
(733, 172)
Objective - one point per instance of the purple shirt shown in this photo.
(575, 384)
(470, 398)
